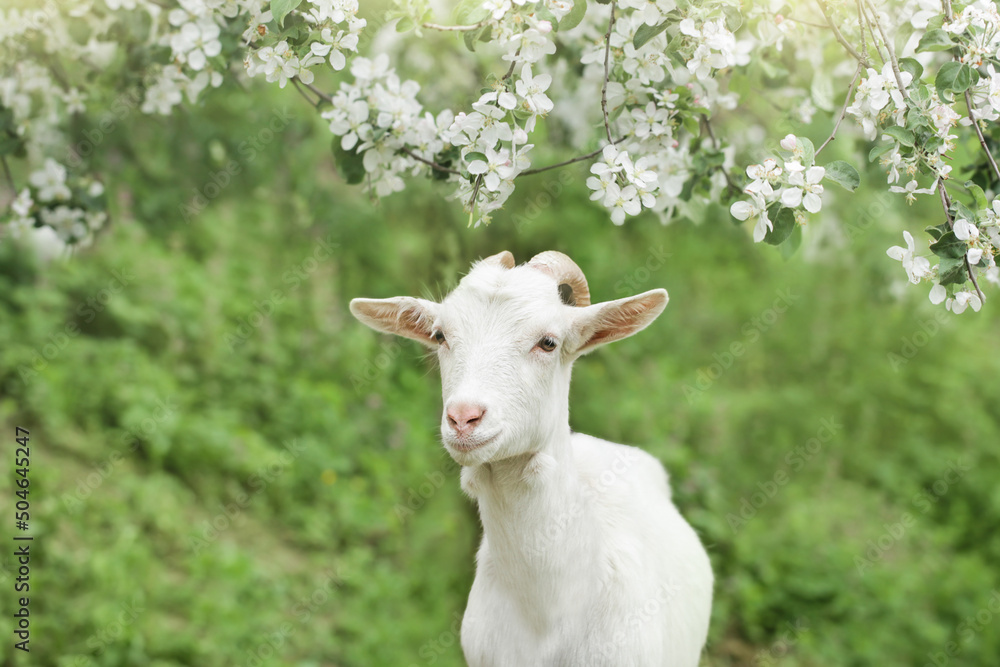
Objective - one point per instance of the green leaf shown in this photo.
(938, 231)
(979, 195)
(647, 32)
(843, 174)
(11, 145)
(542, 13)
(902, 35)
(734, 18)
(808, 151)
(405, 24)
(949, 245)
(951, 271)
(282, 8)
(473, 156)
(880, 149)
(7, 119)
(900, 134)
(480, 34)
(794, 241)
(575, 16)
(690, 123)
(962, 211)
(822, 91)
(920, 93)
(470, 12)
(933, 144)
(784, 224)
(935, 40)
(350, 164)
(912, 66)
(953, 77)
(974, 73)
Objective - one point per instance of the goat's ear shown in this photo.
(401, 315)
(613, 320)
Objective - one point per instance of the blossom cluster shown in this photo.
(483, 149)
(635, 87)
(980, 243)
(56, 211)
(796, 185)
(653, 99)
(330, 33)
(874, 94)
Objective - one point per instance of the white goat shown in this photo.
(585, 561)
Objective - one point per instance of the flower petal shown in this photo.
(791, 197)
(741, 210)
(896, 252)
(812, 202)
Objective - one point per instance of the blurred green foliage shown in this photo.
(227, 469)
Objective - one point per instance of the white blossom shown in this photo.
(496, 167)
(50, 182)
(764, 175)
(963, 300)
(806, 189)
(755, 208)
(916, 267)
(938, 293)
(965, 230)
(197, 41)
(622, 201)
(532, 91)
(911, 190)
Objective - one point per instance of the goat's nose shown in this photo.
(464, 417)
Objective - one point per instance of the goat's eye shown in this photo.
(439, 337)
(547, 343)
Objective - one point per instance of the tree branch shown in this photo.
(453, 28)
(891, 49)
(475, 196)
(319, 93)
(8, 175)
(979, 133)
(513, 63)
(815, 25)
(871, 31)
(298, 87)
(836, 32)
(430, 163)
(843, 110)
(946, 204)
(861, 30)
(579, 158)
(968, 105)
(604, 84)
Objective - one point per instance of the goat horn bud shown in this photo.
(503, 259)
(573, 288)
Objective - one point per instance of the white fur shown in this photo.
(585, 560)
